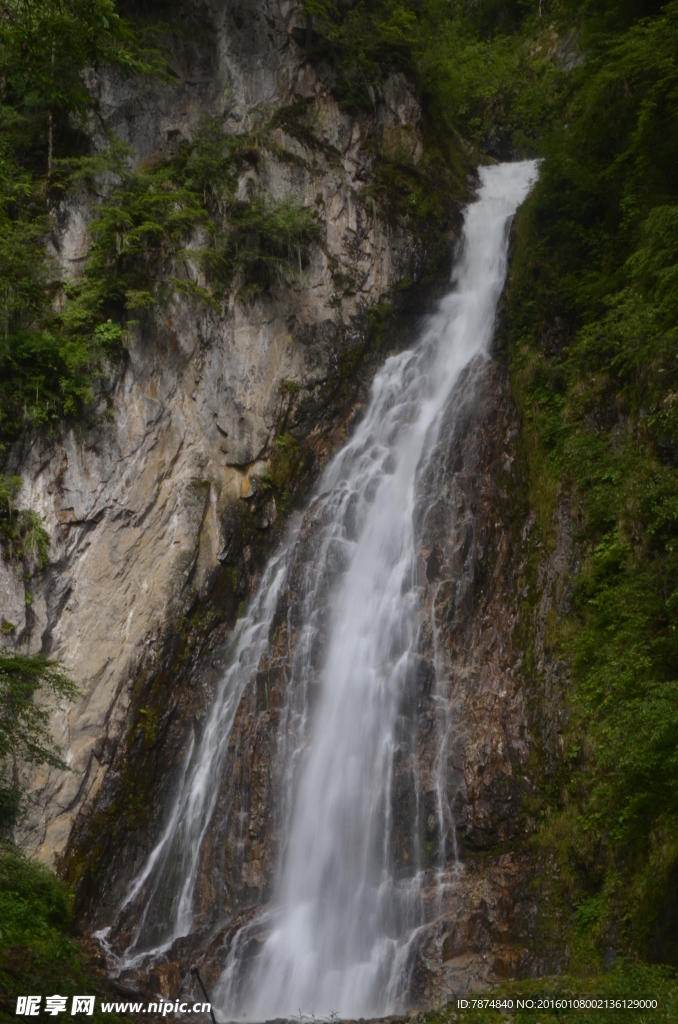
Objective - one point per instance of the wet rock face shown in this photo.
(470, 497)
(160, 523)
(474, 734)
(145, 506)
(461, 772)
(468, 717)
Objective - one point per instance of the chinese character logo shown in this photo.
(55, 1004)
(28, 1006)
(83, 1004)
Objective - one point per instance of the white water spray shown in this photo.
(336, 936)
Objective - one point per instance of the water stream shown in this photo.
(335, 937)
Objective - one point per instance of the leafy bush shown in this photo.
(38, 951)
(34, 904)
(367, 41)
(267, 243)
(44, 49)
(25, 735)
(22, 535)
(484, 70)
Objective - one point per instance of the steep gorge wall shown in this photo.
(486, 587)
(145, 506)
(161, 514)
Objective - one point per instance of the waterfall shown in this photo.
(336, 934)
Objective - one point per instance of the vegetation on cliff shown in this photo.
(592, 328)
(591, 86)
(171, 224)
(22, 535)
(25, 735)
(45, 48)
(38, 949)
(39, 952)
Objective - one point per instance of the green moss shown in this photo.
(289, 463)
(149, 719)
(378, 317)
(418, 187)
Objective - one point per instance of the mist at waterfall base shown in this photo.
(336, 936)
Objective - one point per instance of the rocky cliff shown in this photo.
(160, 495)
(164, 508)
(548, 573)
(486, 585)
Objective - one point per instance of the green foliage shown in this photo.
(416, 187)
(367, 41)
(158, 227)
(592, 324)
(25, 736)
(49, 362)
(266, 243)
(38, 952)
(22, 535)
(489, 71)
(45, 48)
(142, 244)
(378, 316)
(140, 234)
(45, 44)
(300, 121)
(136, 235)
(484, 70)
(33, 902)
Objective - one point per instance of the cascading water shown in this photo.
(336, 934)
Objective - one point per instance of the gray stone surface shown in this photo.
(134, 504)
